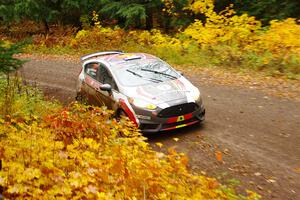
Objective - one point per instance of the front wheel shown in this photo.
(121, 114)
(81, 98)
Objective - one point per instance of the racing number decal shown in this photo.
(180, 118)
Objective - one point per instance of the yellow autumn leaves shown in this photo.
(219, 39)
(77, 153)
(223, 39)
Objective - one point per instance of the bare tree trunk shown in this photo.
(7, 79)
(1, 188)
(149, 19)
(7, 97)
(46, 26)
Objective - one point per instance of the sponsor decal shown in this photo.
(143, 117)
(180, 118)
(126, 55)
(182, 125)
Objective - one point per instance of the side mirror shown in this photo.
(105, 87)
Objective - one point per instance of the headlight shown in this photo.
(142, 104)
(196, 95)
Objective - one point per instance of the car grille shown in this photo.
(178, 110)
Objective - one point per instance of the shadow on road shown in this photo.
(176, 133)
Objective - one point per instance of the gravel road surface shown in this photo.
(257, 135)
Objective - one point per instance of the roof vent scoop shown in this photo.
(97, 54)
(134, 57)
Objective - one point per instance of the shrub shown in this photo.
(20, 103)
(222, 38)
(78, 153)
(279, 46)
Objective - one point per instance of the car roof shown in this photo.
(116, 57)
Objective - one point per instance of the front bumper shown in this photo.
(156, 124)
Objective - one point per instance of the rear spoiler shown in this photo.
(103, 53)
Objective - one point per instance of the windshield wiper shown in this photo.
(157, 72)
(149, 79)
(136, 74)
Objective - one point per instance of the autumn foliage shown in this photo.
(220, 39)
(82, 152)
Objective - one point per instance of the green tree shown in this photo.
(8, 63)
(44, 11)
(47, 11)
(7, 13)
(135, 13)
(71, 10)
(267, 10)
(143, 13)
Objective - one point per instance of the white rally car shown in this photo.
(141, 86)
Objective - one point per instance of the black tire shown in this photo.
(81, 98)
(121, 113)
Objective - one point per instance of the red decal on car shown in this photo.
(88, 80)
(128, 111)
(91, 82)
(180, 118)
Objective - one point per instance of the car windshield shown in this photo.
(141, 72)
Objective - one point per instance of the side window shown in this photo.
(104, 76)
(91, 69)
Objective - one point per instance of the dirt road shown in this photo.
(257, 135)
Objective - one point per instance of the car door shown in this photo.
(103, 76)
(90, 83)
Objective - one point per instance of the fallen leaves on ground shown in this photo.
(219, 156)
(251, 80)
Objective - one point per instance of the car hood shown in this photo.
(171, 92)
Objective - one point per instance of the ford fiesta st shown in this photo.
(141, 86)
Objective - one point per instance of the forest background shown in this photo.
(260, 34)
